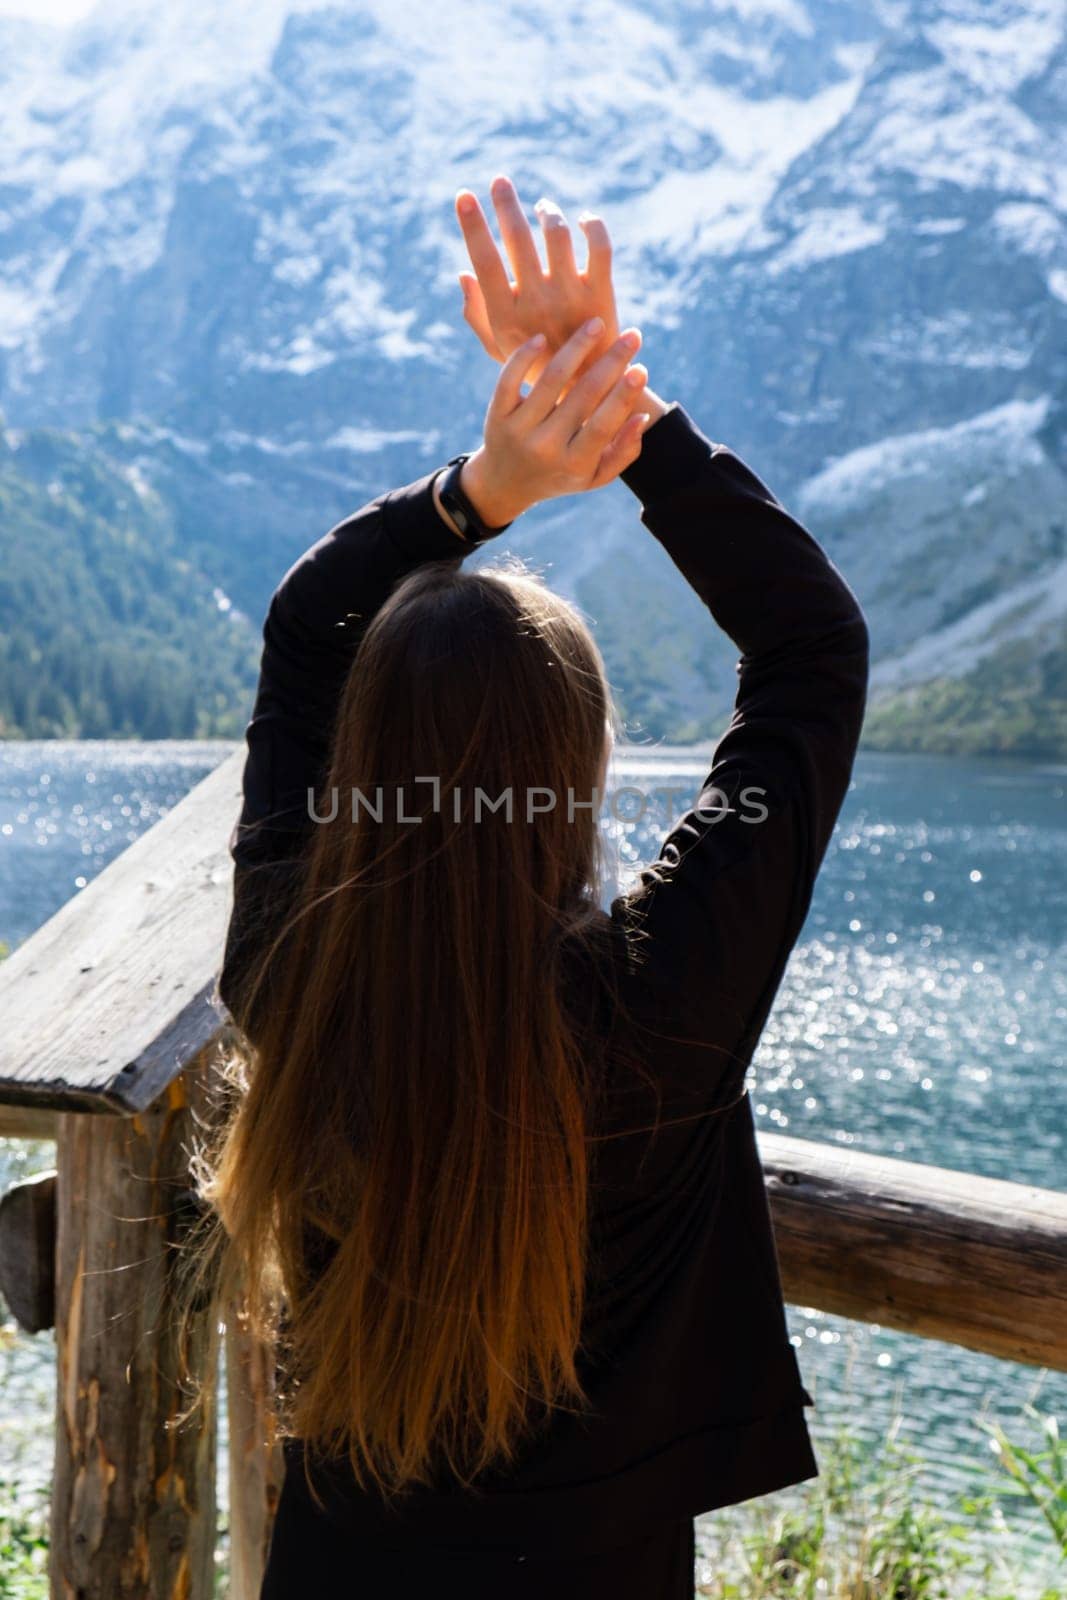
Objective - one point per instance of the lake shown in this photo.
(922, 1015)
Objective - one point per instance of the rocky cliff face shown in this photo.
(230, 256)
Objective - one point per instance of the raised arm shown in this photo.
(722, 907)
(315, 621)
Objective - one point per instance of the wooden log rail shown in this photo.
(109, 1039)
(945, 1255)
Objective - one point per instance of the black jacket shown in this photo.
(697, 1397)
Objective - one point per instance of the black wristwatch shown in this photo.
(459, 508)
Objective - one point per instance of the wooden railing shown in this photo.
(110, 1037)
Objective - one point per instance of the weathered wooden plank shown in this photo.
(971, 1260)
(133, 1501)
(257, 1465)
(107, 1001)
(28, 1251)
(27, 1122)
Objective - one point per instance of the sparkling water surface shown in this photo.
(923, 1015)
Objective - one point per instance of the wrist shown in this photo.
(442, 510)
(492, 500)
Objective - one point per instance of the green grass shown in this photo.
(861, 1530)
(23, 1545)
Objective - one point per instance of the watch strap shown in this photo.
(459, 507)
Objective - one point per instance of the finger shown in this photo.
(586, 447)
(492, 275)
(543, 397)
(558, 246)
(508, 392)
(515, 231)
(597, 270)
(476, 315)
(596, 384)
(621, 401)
(623, 450)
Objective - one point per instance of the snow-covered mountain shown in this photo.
(229, 261)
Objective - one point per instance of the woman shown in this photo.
(491, 1178)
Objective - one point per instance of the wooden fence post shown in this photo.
(256, 1462)
(133, 1502)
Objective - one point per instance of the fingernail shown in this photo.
(466, 204)
(630, 340)
(636, 376)
(594, 325)
(538, 340)
(644, 418)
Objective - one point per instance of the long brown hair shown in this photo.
(403, 1170)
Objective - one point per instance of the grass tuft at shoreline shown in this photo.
(862, 1531)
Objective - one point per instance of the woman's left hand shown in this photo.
(504, 314)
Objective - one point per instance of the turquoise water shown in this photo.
(922, 1015)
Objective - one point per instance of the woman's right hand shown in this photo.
(565, 436)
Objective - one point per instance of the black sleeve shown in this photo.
(316, 618)
(711, 924)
